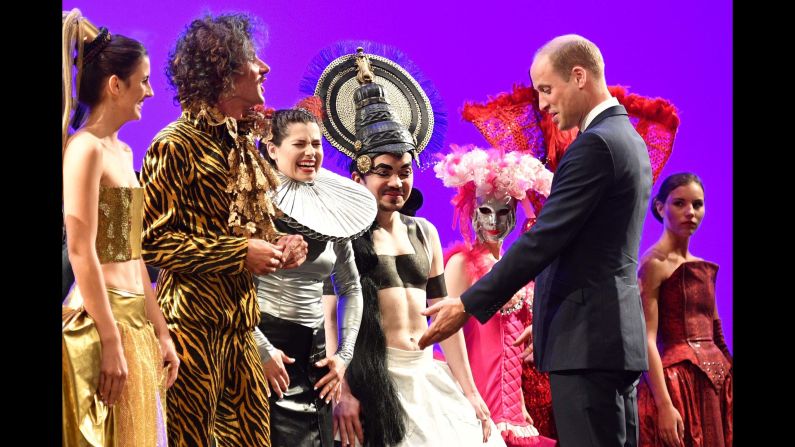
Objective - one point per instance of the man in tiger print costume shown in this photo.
(208, 225)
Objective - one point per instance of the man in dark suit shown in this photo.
(588, 331)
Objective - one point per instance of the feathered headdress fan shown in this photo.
(656, 120)
(514, 122)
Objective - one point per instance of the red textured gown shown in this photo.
(537, 394)
(696, 363)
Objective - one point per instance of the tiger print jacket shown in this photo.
(203, 282)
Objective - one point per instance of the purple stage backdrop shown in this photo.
(680, 50)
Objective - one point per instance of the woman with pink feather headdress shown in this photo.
(490, 184)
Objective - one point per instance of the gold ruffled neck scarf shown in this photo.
(251, 178)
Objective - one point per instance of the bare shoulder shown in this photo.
(427, 224)
(456, 262)
(83, 146)
(654, 266)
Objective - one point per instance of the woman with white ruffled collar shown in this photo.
(328, 210)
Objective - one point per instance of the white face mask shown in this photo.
(494, 218)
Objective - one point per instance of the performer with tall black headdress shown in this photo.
(380, 116)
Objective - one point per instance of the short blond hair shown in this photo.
(566, 52)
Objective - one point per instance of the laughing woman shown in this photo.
(328, 210)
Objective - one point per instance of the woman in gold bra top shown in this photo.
(118, 357)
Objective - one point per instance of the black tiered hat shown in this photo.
(373, 106)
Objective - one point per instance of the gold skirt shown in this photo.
(138, 417)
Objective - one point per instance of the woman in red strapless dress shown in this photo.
(686, 397)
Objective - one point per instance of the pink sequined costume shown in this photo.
(485, 179)
(496, 364)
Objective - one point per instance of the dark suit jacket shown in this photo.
(587, 311)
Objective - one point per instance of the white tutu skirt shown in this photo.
(438, 412)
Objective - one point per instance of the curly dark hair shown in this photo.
(208, 53)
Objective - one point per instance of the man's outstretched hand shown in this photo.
(449, 318)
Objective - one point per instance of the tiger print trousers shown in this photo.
(220, 390)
